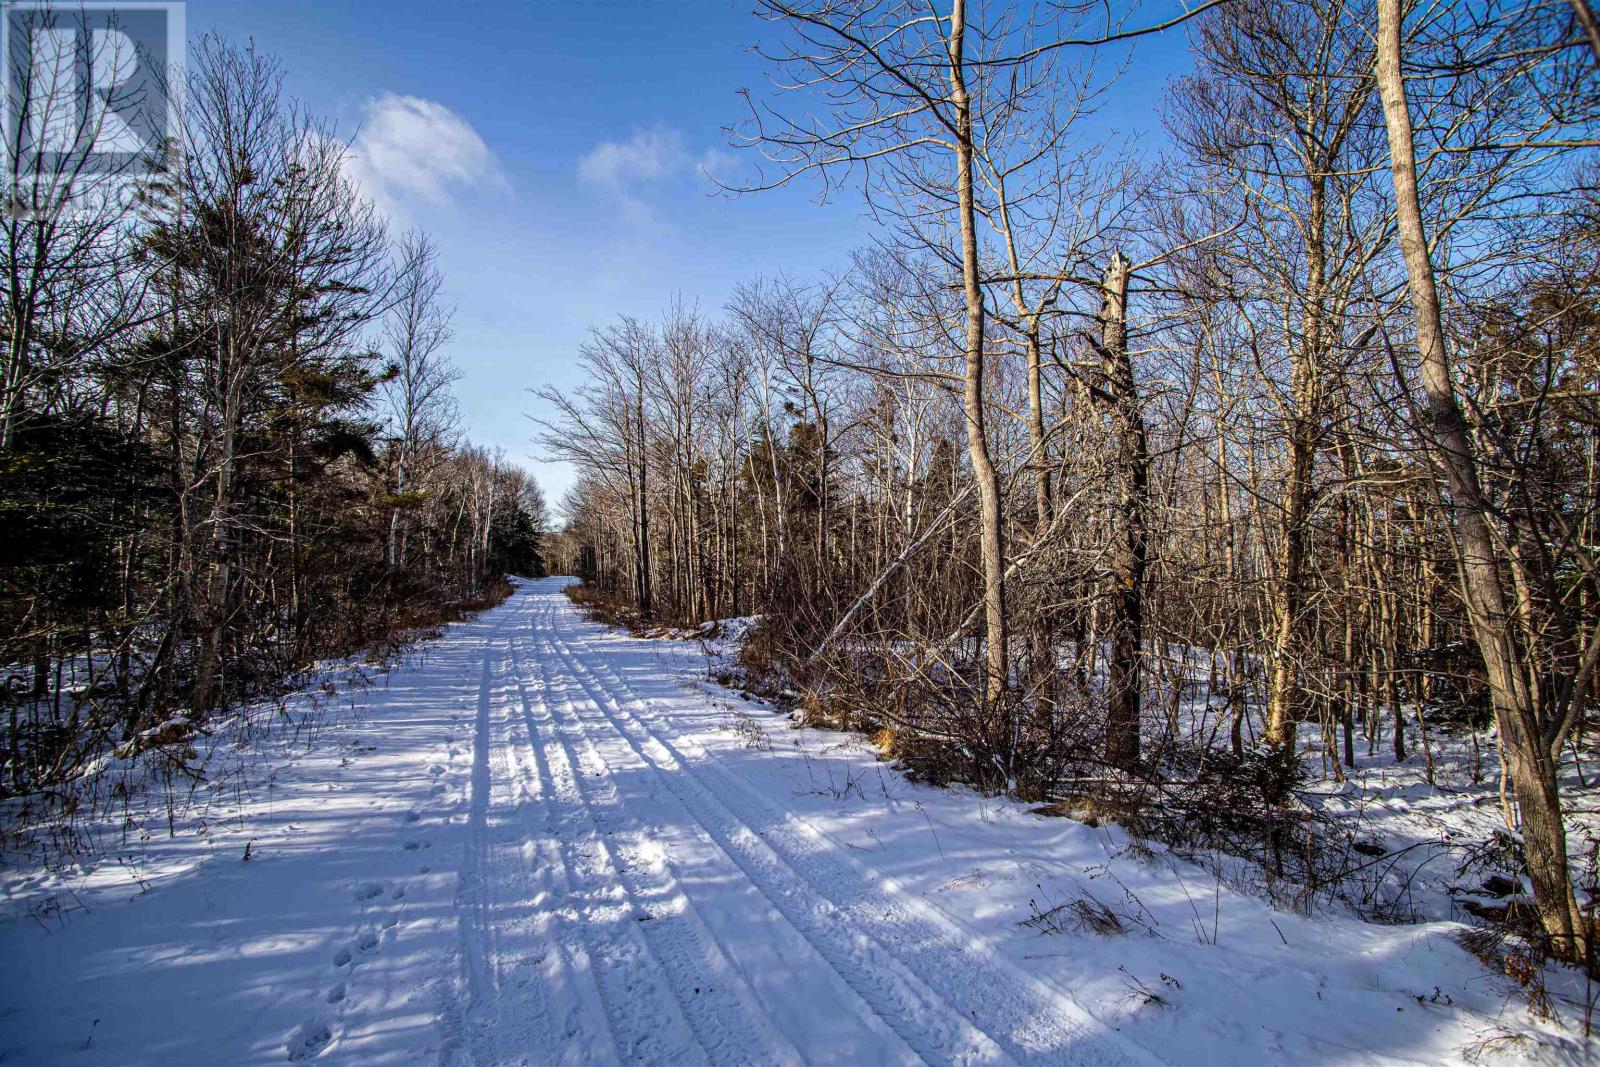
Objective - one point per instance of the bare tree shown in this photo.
(422, 408)
(1537, 681)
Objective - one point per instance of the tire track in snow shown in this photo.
(530, 995)
(930, 1024)
(476, 930)
(803, 992)
(647, 1024)
(1031, 1019)
(714, 998)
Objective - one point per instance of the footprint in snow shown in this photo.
(360, 946)
(370, 891)
(309, 1039)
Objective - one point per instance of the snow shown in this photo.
(1433, 834)
(547, 842)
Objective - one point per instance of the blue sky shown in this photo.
(553, 149)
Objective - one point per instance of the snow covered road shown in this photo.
(634, 899)
(620, 896)
(544, 842)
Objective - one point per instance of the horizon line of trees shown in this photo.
(1307, 408)
(230, 447)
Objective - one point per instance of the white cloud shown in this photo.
(717, 164)
(413, 149)
(646, 156)
(623, 170)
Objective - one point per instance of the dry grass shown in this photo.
(1082, 914)
(603, 608)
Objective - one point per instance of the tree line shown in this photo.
(229, 446)
(1290, 425)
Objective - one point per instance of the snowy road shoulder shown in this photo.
(307, 909)
(546, 842)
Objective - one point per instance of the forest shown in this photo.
(1148, 481)
(228, 443)
(1073, 533)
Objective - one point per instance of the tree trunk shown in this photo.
(643, 563)
(1043, 511)
(1283, 677)
(1533, 772)
(997, 669)
(1133, 492)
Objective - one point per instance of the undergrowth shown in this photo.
(161, 778)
